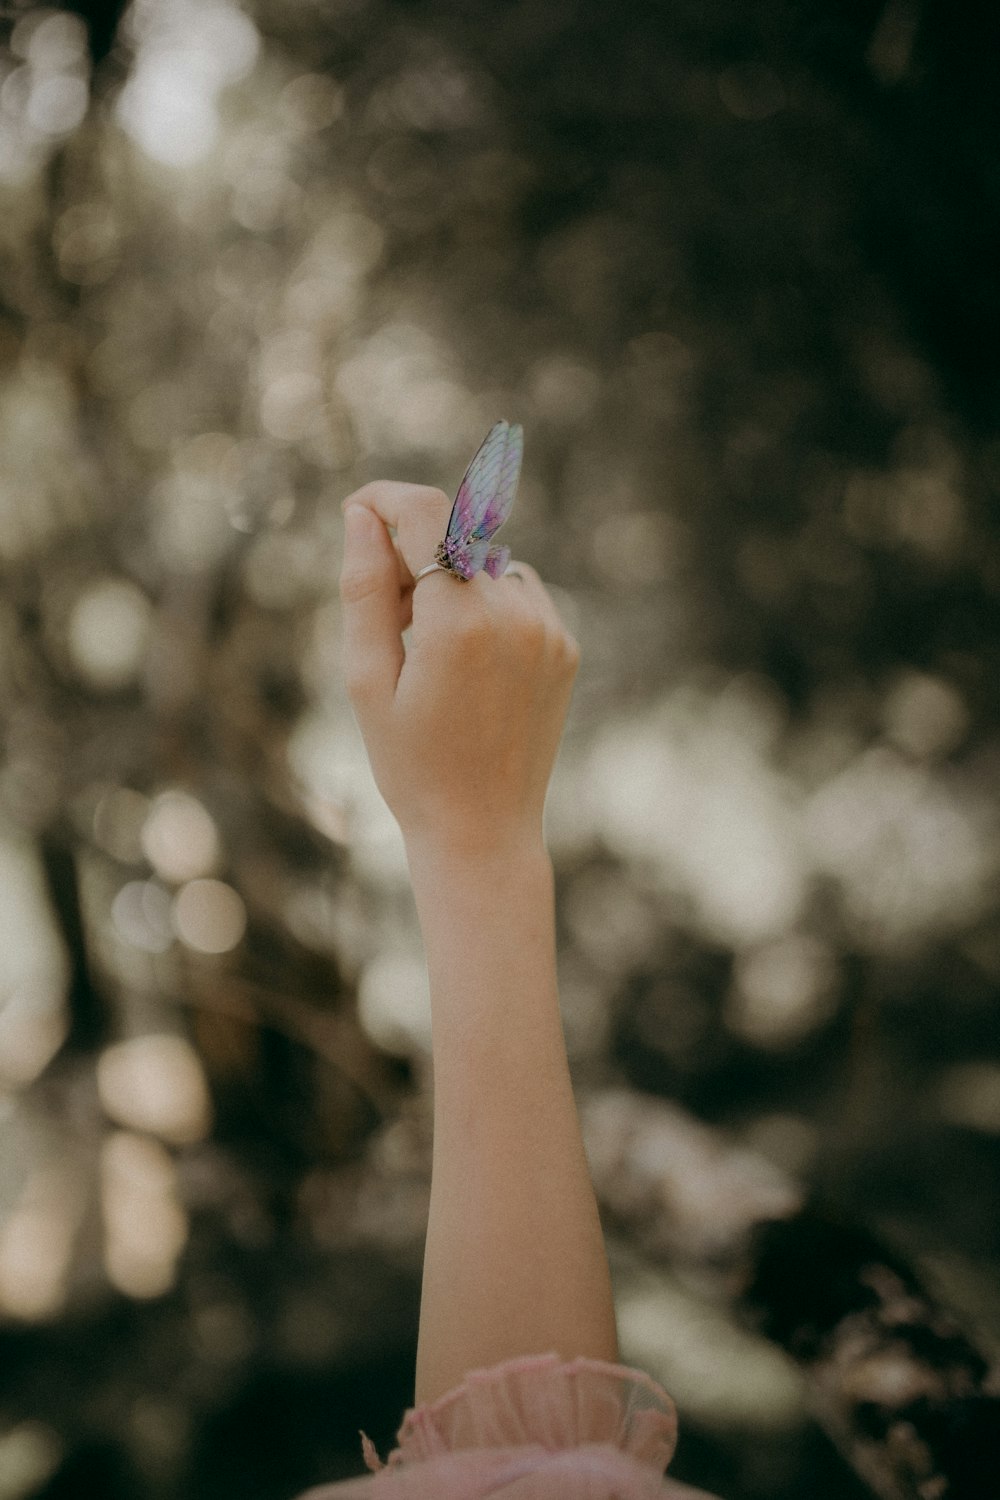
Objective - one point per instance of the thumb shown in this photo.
(369, 596)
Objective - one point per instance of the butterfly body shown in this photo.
(482, 504)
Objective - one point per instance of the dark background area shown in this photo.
(734, 268)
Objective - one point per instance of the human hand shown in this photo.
(462, 727)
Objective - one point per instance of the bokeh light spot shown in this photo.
(187, 51)
(50, 39)
(140, 914)
(291, 405)
(209, 916)
(313, 101)
(30, 1454)
(86, 243)
(911, 853)
(782, 991)
(145, 1224)
(394, 1004)
(563, 389)
(36, 1243)
(109, 630)
(179, 837)
(156, 1083)
(34, 969)
(690, 788)
(718, 1372)
(33, 1026)
(57, 104)
(925, 715)
(118, 820)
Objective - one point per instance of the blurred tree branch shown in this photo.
(909, 1400)
(907, 1397)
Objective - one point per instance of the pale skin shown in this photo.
(462, 730)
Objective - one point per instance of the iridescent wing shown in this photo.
(496, 562)
(468, 557)
(484, 501)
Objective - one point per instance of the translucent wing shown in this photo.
(487, 491)
(496, 562)
(468, 557)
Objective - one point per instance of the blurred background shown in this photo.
(734, 268)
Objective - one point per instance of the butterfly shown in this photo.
(482, 504)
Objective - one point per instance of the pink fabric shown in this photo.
(541, 1399)
(536, 1428)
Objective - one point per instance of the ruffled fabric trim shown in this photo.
(542, 1401)
(591, 1472)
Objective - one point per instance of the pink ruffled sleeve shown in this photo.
(542, 1400)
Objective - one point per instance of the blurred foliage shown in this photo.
(734, 269)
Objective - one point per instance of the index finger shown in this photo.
(418, 513)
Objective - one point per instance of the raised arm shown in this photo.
(462, 730)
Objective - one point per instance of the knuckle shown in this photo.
(571, 650)
(539, 631)
(356, 585)
(533, 634)
(367, 495)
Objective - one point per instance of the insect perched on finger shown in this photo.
(482, 504)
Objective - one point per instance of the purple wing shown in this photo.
(486, 494)
(496, 562)
(467, 557)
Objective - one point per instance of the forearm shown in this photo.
(514, 1261)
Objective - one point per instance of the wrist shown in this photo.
(479, 860)
(487, 919)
